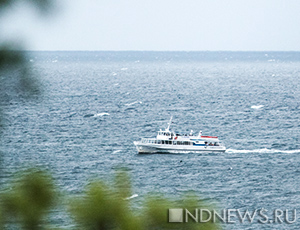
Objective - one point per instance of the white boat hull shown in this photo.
(158, 148)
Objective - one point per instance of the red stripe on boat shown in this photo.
(209, 136)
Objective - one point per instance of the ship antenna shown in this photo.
(170, 122)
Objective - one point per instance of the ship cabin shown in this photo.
(165, 135)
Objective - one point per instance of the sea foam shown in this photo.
(101, 114)
(264, 150)
(256, 106)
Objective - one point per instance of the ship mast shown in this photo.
(170, 122)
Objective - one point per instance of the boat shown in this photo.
(168, 141)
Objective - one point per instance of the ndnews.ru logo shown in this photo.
(231, 216)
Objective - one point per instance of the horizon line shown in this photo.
(187, 51)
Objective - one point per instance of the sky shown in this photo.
(157, 25)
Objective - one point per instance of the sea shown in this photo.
(93, 105)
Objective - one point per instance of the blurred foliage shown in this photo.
(155, 215)
(28, 200)
(9, 57)
(102, 207)
(16, 78)
(41, 5)
(1, 218)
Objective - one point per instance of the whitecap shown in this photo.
(124, 68)
(116, 151)
(133, 103)
(101, 114)
(256, 106)
(131, 197)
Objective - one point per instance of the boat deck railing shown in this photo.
(175, 142)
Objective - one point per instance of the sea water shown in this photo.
(95, 104)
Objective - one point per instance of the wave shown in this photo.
(116, 151)
(133, 103)
(96, 115)
(264, 150)
(256, 106)
(131, 197)
(101, 114)
(88, 115)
